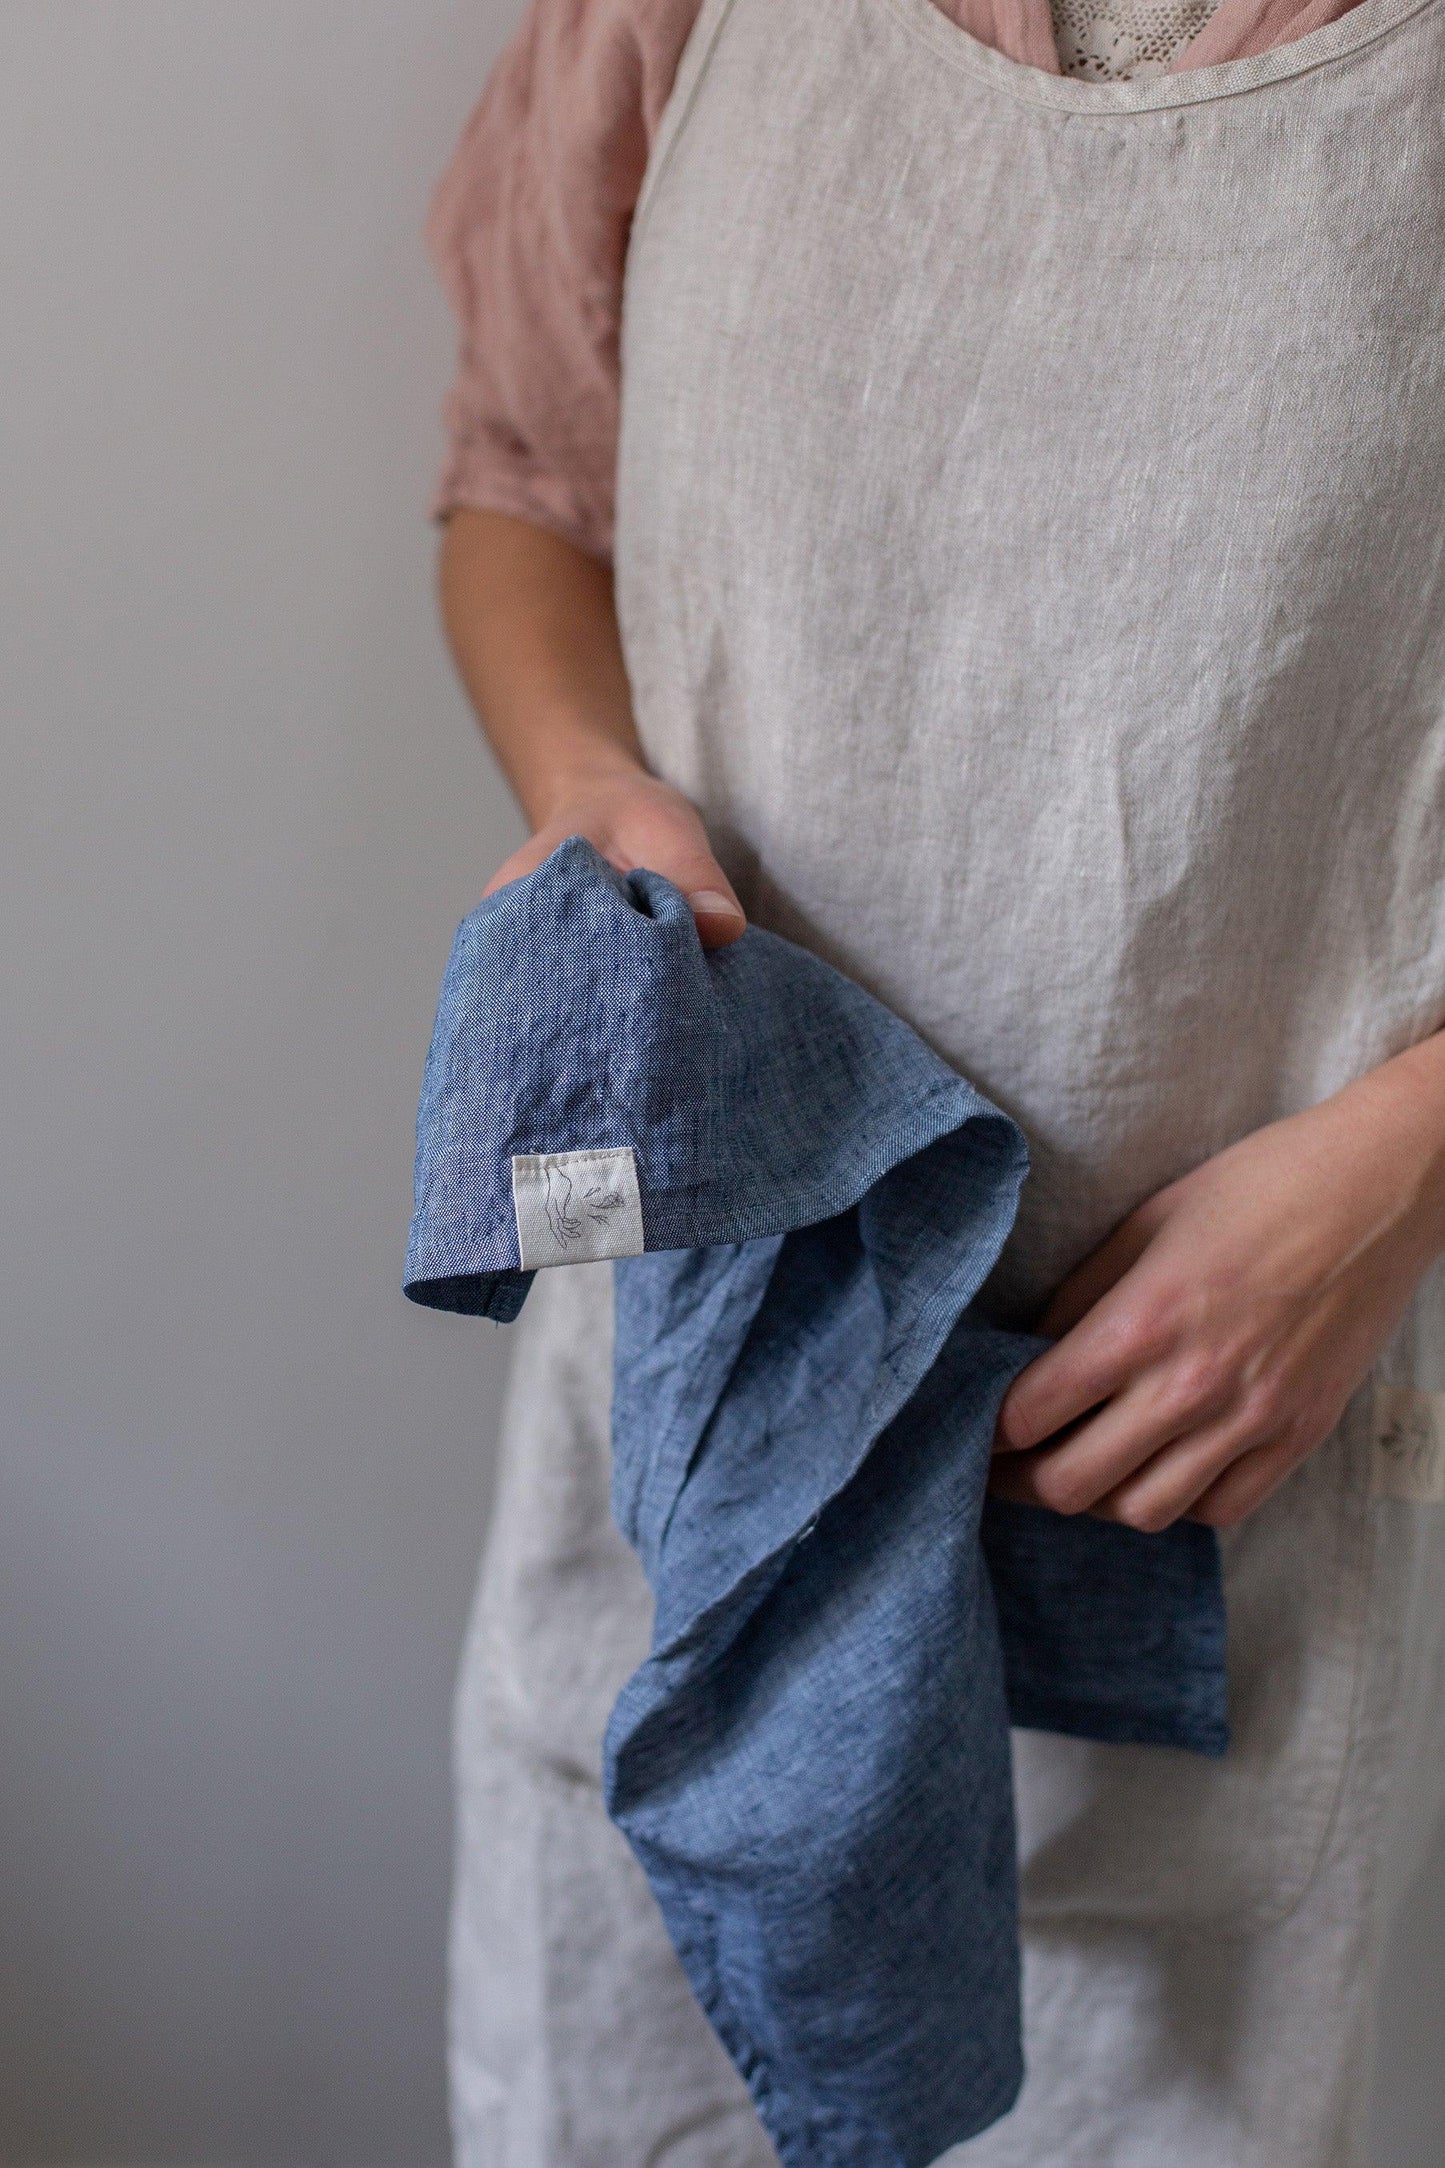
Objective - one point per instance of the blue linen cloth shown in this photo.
(812, 1764)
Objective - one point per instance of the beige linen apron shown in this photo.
(1031, 557)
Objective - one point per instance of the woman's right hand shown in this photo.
(533, 627)
(634, 820)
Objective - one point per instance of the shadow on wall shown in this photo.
(245, 1481)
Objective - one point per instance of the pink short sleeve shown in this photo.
(528, 231)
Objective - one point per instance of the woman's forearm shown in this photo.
(533, 630)
(1406, 1096)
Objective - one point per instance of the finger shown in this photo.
(1088, 1366)
(692, 868)
(1104, 1452)
(1244, 1487)
(1092, 1279)
(1011, 1477)
(719, 916)
(675, 845)
(1177, 1477)
(711, 898)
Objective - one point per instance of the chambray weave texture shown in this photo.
(812, 1764)
(577, 1013)
(1056, 642)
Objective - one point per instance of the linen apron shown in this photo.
(1031, 521)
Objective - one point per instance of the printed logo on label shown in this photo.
(574, 1208)
(1409, 1445)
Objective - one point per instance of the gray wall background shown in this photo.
(244, 1483)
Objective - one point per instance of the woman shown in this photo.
(1029, 567)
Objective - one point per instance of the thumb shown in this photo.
(720, 917)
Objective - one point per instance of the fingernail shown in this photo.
(712, 903)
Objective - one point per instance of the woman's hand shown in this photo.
(1211, 1343)
(634, 820)
(533, 628)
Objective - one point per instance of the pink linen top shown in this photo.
(528, 231)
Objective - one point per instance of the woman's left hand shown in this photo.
(1211, 1343)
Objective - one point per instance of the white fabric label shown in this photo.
(1409, 1445)
(574, 1208)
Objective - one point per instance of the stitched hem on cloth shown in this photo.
(815, 2138)
(1033, 1709)
(691, 1216)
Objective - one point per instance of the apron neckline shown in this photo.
(1371, 20)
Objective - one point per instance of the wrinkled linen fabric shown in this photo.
(1056, 643)
(1216, 2011)
(812, 1763)
(1097, 727)
(528, 226)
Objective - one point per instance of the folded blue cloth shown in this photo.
(812, 1764)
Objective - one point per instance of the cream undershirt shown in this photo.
(1113, 39)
